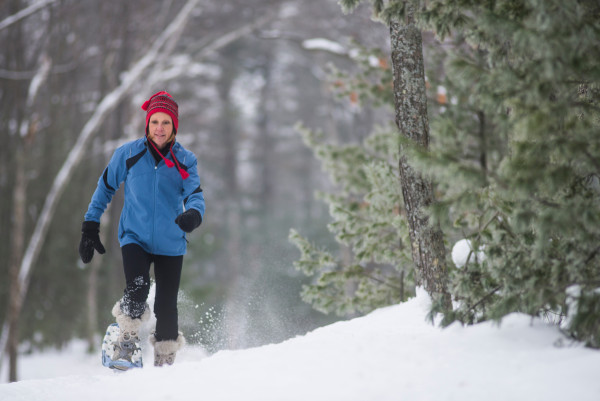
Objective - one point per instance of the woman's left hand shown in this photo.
(189, 220)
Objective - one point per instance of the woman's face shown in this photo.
(160, 129)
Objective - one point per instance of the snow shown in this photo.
(460, 252)
(390, 354)
(325, 45)
(463, 251)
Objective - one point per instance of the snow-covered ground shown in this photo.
(391, 354)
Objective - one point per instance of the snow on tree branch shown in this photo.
(325, 45)
(8, 21)
(166, 73)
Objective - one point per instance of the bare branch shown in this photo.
(8, 21)
(232, 36)
(25, 75)
(206, 49)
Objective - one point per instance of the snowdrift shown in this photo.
(391, 354)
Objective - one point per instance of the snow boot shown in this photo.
(129, 339)
(165, 351)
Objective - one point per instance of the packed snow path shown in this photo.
(391, 354)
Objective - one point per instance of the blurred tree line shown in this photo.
(244, 73)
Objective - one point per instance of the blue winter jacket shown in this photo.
(154, 196)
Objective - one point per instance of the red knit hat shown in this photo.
(162, 102)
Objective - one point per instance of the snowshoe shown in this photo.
(120, 355)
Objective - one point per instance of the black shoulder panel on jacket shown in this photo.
(134, 159)
(199, 189)
(105, 178)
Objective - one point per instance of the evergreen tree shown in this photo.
(349, 165)
(516, 151)
(410, 106)
(376, 269)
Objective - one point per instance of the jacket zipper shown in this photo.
(154, 208)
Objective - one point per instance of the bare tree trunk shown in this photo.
(427, 243)
(235, 316)
(17, 245)
(265, 139)
(26, 134)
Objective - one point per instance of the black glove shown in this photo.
(189, 220)
(90, 240)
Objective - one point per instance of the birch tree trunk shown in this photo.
(427, 244)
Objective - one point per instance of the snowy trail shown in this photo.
(391, 354)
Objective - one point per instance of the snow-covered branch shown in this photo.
(324, 45)
(168, 71)
(8, 21)
(34, 86)
(232, 36)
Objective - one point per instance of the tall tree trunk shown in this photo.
(427, 243)
(27, 131)
(17, 246)
(235, 317)
(265, 139)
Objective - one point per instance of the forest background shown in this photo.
(511, 92)
(244, 74)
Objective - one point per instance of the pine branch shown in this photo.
(485, 298)
(383, 282)
(592, 255)
(545, 202)
(593, 159)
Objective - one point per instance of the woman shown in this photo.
(152, 226)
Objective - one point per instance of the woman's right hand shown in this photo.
(90, 240)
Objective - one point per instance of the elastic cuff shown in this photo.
(90, 227)
(167, 346)
(128, 323)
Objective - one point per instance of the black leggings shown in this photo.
(167, 273)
